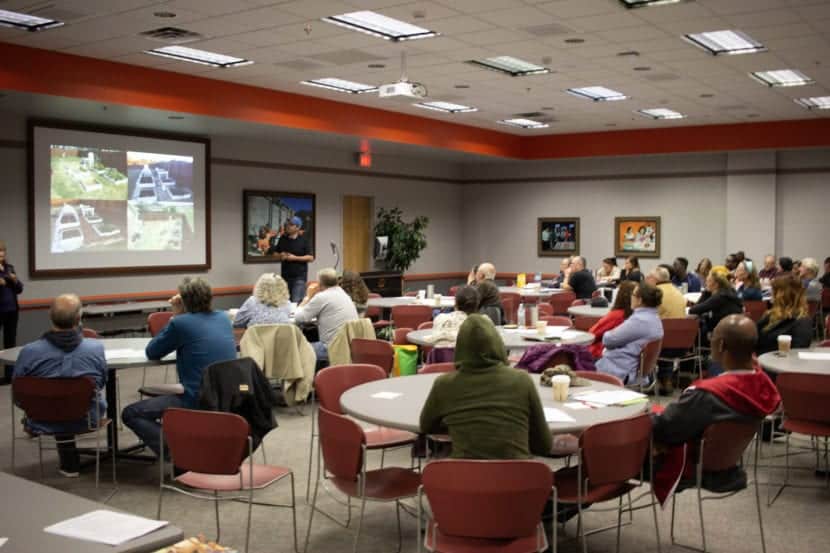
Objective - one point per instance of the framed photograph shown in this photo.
(638, 236)
(557, 237)
(265, 214)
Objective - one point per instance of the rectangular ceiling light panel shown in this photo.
(193, 55)
(510, 65)
(782, 77)
(661, 113)
(378, 25)
(648, 3)
(816, 102)
(26, 21)
(524, 123)
(598, 93)
(725, 42)
(341, 85)
(446, 107)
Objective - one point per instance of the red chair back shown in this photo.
(825, 299)
(680, 333)
(437, 368)
(400, 336)
(205, 441)
(805, 396)
(557, 320)
(331, 382)
(341, 440)
(157, 321)
(454, 290)
(510, 303)
(649, 356)
(613, 452)
(577, 303)
(562, 301)
(585, 322)
(724, 443)
(89, 333)
(373, 352)
(410, 316)
(425, 326)
(812, 309)
(487, 499)
(755, 309)
(545, 309)
(411, 294)
(600, 377)
(53, 399)
(374, 313)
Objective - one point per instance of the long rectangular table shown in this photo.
(29, 507)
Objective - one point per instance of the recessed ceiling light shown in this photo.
(378, 25)
(27, 22)
(816, 102)
(626, 53)
(446, 107)
(524, 123)
(598, 93)
(725, 42)
(648, 3)
(377, 65)
(175, 117)
(547, 108)
(610, 124)
(753, 115)
(642, 68)
(707, 95)
(193, 55)
(661, 113)
(462, 86)
(341, 85)
(164, 15)
(510, 65)
(782, 77)
(574, 40)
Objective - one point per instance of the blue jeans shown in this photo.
(321, 351)
(296, 287)
(144, 418)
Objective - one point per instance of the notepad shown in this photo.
(611, 397)
(557, 415)
(386, 395)
(106, 527)
(123, 353)
(814, 356)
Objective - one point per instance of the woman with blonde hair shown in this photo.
(268, 304)
(717, 302)
(788, 316)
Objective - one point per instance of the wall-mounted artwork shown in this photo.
(638, 236)
(264, 221)
(557, 237)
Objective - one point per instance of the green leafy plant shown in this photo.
(406, 240)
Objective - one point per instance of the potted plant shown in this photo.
(406, 239)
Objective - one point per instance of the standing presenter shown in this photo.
(10, 288)
(294, 252)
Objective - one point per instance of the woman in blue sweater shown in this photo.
(10, 288)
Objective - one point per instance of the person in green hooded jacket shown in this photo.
(489, 409)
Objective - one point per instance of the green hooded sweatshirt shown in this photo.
(490, 410)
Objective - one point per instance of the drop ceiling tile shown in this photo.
(491, 37)
(688, 26)
(451, 26)
(807, 44)
(566, 9)
(517, 17)
(675, 12)
(293, 32)
(643, 32)
(113, 47)
(765, 34)
(728, 7)
(315, 9)
(604, 22)
(430, 12)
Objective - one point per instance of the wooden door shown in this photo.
(357, 233)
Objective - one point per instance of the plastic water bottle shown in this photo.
(537, 277)
(521, 315)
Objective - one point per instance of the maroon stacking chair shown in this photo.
(680, 340)
(59, 401)
(410, 316)
(611, 457)
(454, 290)
(411, 294)
(155, 323)
(90, 333)
(426, 325)
(437, 368)
(510, 303)
(648, 365)
(373, 352)
(486, 505)
(343, 447)
(722, 448)
(755, 309)
(376, 314)
(399, 339)
(585, 322)
(557, 320)
(212, 447)
(562, 301)
(600, 377)
(545, 309)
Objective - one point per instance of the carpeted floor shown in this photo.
(797, 522)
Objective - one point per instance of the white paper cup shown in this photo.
(561, 383)
(541, 328)
(437, 300)
(430, 291)
(785, 342)
(421, 294)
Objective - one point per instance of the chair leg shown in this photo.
(359, 523)
(311, 514)
(673, 510)
(250, 508)
(619, 524)
(216, 511)
(700, 510)
(581, 527)
(656, 525)
(294, 514)
(400, 534)
(40, 455)
(14, 436)
(760, 518)
(554, 525)
(310, 456)
(97, 458)
(158, 510)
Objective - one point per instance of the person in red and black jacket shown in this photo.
(10, 288)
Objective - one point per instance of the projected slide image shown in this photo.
(159, 178)
(88, 173)
(88, 225)
(159, 228)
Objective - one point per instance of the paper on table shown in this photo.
(610, 397)
(557, 415)
(386, 395)
(814, 356)
(576, 405)
(123, 353)
(106, 527)
(3, 541)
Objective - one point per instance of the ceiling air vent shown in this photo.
(171, 35)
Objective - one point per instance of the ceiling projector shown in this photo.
(402, 88)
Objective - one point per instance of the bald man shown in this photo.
(485, 271)
(63, 353)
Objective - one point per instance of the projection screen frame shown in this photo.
(36, 272)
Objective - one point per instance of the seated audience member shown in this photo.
(64, 353)
(673, 305)
(731, 262)
(703, 269)
(489, 301)
(683, 276)
(489, 409)
(619, 312)
(747, 283)
(581, 281)
(330, 305)
(624, 344)
(485, 271)
(352, 283)
(770, 270)
(825, 278)
(788, 315)
(564, 272)
(466, 303)
(796, 267)
(200, 337)
(631, 270)
(742, 394)
(609, 272)
(785, 265)
(809, 277)
(268, 305)
(720, 301)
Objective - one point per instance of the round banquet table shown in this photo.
(588, 311)
(404, 411)
(513, 337)
(533, 292)
(791, 363)
(389, 303)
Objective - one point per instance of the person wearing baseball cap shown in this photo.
(294, 252)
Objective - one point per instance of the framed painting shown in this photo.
(638, 236)
(265, 215)
(557, 237)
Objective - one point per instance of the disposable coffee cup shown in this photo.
(421, 294)
(437, 300)
(561, 383)
(430, 291)
(785, 342)
(541, 327)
